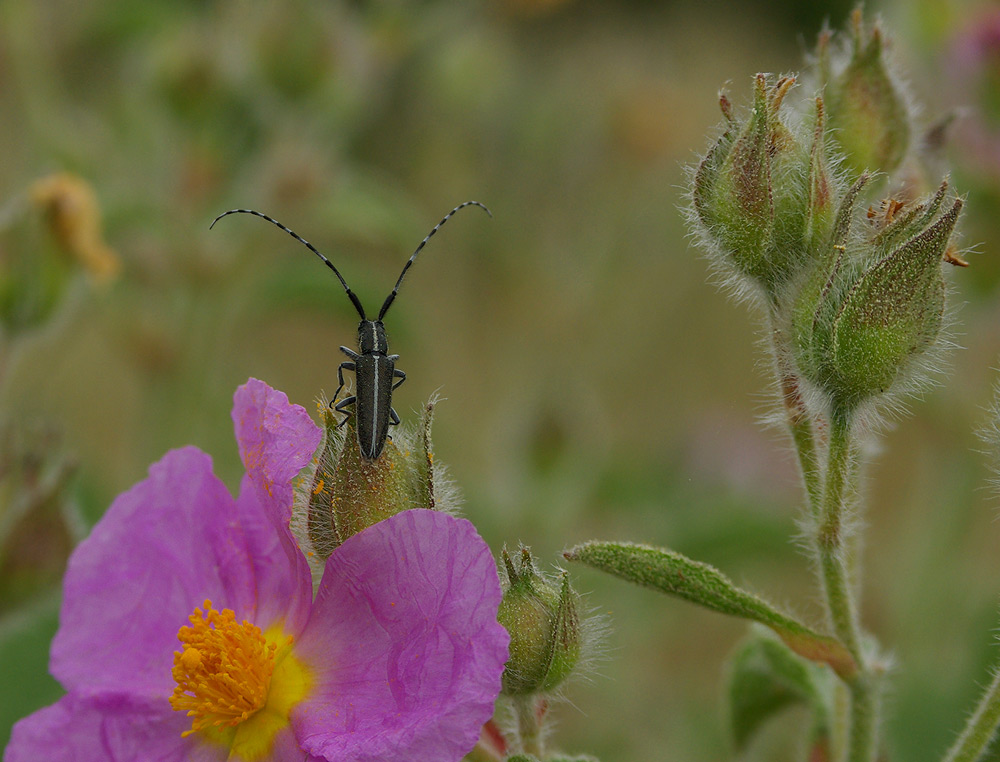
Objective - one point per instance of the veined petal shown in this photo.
(167, 544)
(106, 729)
(284, 580)
(405, 643)
(276, 440)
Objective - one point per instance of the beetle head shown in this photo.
(371, 337)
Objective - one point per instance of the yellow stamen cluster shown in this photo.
(224, 672)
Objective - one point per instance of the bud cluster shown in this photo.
(856, 299)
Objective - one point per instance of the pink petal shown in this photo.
(115, 728)
(405, 640)
(162, 548)
(276, 440)
(106, 729)
(284, 580)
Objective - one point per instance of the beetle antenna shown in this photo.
(395, 289)
(353, 297)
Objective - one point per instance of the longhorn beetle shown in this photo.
(375, 370)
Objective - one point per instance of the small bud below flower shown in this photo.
(542, 618)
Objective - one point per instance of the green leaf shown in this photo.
(767, 678)
(675, 574)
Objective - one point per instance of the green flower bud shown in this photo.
(892, 314)
(346, 492)
(869, 116)
(542, 618)
(859, 322)
(817, 296)
(757, 191)
(363, 492)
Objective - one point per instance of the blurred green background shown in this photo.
(597, 385)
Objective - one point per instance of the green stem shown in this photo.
(841, 606)
(980, 728)
(864, 712)
(796, 413)
(830, 536)
(529, 726)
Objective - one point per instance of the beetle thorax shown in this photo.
(371, 337)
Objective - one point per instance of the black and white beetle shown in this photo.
(375, 372)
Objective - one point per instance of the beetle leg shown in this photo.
(339, 407)
(340, 377)
(393, 418)
(401, 376)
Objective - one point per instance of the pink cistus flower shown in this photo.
(189, 630)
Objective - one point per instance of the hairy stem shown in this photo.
(865, 701)
(980, 728)
(529, 725)
(832, 548)
(796, 414)
(830, 541)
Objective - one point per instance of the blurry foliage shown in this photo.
(595, 385)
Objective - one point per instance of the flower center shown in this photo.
(224, 672)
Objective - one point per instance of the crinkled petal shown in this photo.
(118, 728)
(162, 548)
(284, 589)
(405, 643)
(276, 440)
(107, 729)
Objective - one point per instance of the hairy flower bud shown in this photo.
(542, 618)
(758, 191)
(818, 293)
(892, 314)
(347, 492)
(860, 321)
(869, 116)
